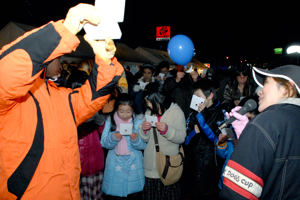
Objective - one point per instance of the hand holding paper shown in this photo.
(151, 119)
(143, 85)
(161, 126)
(118, 135)
(162, 75)
(79, 15)
(195, 102)
(103, 49)
(125, 129)
(146, 126)
(133, 136)
(229, 133)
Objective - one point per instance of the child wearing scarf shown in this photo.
(123, 173)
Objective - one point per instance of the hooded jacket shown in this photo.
(168, 143)
(123, 175)
(265, 163)
(39, 156)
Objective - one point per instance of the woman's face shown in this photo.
(270, 94)
(242, 79)
(194, 75)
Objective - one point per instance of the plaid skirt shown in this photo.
(155, 190)
(90, 187)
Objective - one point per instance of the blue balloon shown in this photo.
(181, 49)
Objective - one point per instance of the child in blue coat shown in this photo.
(124, 172)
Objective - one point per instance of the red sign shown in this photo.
(163, 33)
(207, 64)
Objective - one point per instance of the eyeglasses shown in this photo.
(242, 76)
(164, 72)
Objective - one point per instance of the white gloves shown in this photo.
(79, 15)
(102, 48)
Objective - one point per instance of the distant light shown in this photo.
(278, 50)
(293, 49)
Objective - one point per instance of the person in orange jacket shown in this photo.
(39, 156)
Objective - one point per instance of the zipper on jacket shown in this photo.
(46, 82)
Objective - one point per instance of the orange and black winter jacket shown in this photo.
(39, 156)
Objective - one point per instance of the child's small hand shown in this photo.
(118, 135)
(133, 136)
(201, 107)
(222, 138)
(161, 126)
(146, 126)
(197, 130)
(179, 76)
(158, 78)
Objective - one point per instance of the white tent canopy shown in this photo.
(126, 55)
(12, 31)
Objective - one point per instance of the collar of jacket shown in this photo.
(293, 101)
(51, 83)
(172, 106)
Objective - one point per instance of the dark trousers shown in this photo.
(134, 196)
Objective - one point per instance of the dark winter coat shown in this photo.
(265, 163)
(202, 165)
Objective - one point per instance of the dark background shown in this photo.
(243, 30)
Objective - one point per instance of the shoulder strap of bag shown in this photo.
(155, 139)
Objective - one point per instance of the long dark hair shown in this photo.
(157, 95)
(249, 87)
(122, 99)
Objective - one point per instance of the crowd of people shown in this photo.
(63, 136)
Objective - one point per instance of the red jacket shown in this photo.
(91, 152)
(39, 156)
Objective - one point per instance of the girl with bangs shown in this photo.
(171, 133)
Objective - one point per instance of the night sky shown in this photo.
(243, 30)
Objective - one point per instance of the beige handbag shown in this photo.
(169, 167)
